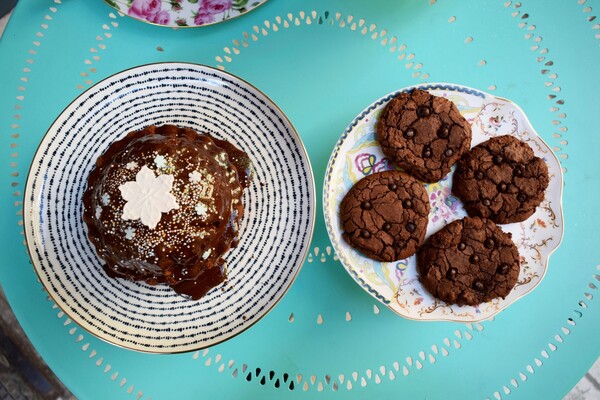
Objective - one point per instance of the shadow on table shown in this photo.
(23, 374)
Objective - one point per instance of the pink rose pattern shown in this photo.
(149, 10)
(161, 17)
(203, 17)
(209, 8)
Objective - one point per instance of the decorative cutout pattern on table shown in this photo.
(14, 182)
(552, 345)
(332, 382)
(324, 18)
(590, 18)
(30, 63)
(551, 76)
(373, 375)
(563, 142)
(101, 46)
(93, 354)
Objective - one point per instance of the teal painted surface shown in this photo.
(322, 75)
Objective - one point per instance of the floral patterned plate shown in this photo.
(396, 284)
(184, 13)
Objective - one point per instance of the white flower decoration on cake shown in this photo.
(201, 210)
(148, 197)
(129, 233)
(195, 176)
(105, 199)
(160, 161)
(131, 165)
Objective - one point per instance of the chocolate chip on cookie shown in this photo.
(384, 215)
(423, 134)
(501, 179)
(469, 261)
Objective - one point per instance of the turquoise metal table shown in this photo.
(322, 62)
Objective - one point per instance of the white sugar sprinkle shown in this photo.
(201, 210)
(195, 176)
(160, 161)
(129, 233)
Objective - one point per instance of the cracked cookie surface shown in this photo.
(423, 134)
(384, 215)
(469, 262)
(501, 179)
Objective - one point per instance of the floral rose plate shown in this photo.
(184, 13)
(396, 284)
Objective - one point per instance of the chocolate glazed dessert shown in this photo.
(163, 205)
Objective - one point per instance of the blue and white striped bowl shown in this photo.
(275, 232)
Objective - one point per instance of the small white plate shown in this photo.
(396, 284)
(274, 235)
(184, 13)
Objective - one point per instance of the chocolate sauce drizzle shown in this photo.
(185, 250)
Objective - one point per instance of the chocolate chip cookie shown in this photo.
(423, 134)
(384, 215)
(501, 179)
(469, 261)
